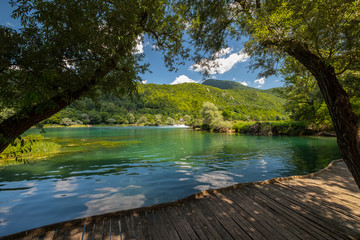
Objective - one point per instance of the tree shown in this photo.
(170, 121)
(68, 49)
(158, 120)
(210, 113)
(66, 122)
(323, 36)
(131, 118)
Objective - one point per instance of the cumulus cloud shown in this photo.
(222, 62)
(144, 81)
(182, 79)
(139, 48)
(244, 83)
(260, 82)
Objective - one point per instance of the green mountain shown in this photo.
(176, 101)
(224, 84)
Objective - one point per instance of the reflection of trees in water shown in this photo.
(310, 156)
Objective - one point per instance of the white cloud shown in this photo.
(214, 180)
(111, 199)
(234, 79)
(221, 63)
(139, 48)
(144, 81)
(223, 52)
(182, 79)
(260, 82)
(244, 83)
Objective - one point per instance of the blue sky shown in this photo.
(233, 63)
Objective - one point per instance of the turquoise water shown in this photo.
(146, 166)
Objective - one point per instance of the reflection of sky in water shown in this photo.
(164, 165)
(110, 199)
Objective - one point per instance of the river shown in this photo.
(110, 169)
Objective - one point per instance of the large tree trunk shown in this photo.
(23, 120)
(344, 120)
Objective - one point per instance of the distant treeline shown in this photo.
(169, 104)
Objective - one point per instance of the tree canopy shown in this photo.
(322, 36)
(67, 49)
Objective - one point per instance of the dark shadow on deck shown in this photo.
(324, 205)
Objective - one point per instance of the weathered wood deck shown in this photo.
(325, 205)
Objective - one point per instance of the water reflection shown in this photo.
(110, 199)
(163, 165)
(66, 186)
(218, 179)
(32, 189)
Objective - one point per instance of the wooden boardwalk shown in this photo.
(325, 205)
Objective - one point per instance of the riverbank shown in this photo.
(281, 128)
(259, 128)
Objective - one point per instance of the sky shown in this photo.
(233, 64)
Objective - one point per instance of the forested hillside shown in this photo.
(166, 104)
(224, 84)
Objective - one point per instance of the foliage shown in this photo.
(294, 128)
(213, 119)
(223, 84)
(31, 146)
(158, 102)
(304, 99)
(67, 49)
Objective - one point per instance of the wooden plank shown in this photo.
(183, 234)
(331, 186)
(183, 220)
(242, 208)
(115, 228)
(60, 234)
(106, 235)
(160, 231)
(226, 220)
(200, 221)
(146, 224)
(232, 209)
(207, 214)
(98, 229)
(192, 218)
(89, 231)
(138, 226)
(127, 230)
(183, 228)
(50, 235)
(323, 192)
(163, 217)
(312, 223)
(75, 232)
(269, 223)
(331, 201)
(318, 208)
(301, 224)
(155, 228)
